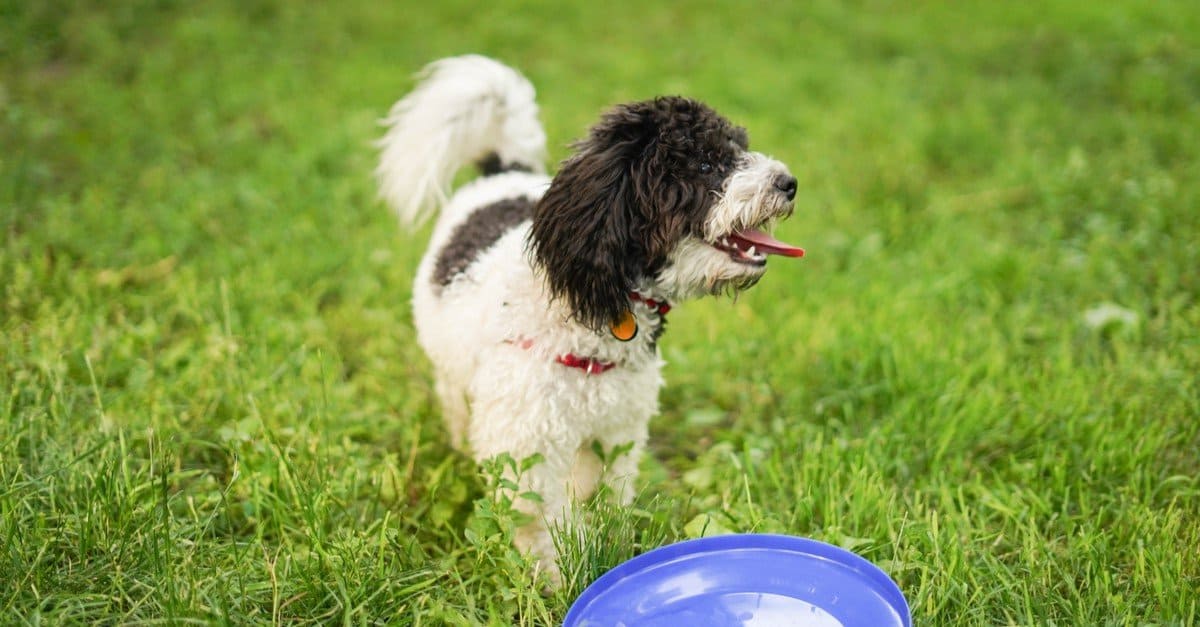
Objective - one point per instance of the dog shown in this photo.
(541, 299)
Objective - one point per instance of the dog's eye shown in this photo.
(705, 168)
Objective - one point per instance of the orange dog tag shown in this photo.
(625, 329)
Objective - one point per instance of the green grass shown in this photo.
(212, 408)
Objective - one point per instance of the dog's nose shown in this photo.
(786, 183)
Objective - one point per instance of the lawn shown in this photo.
(983, 377)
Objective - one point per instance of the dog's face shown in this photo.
(663, 192)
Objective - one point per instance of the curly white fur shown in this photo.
(495, 333)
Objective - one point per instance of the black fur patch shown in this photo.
(491, 164)
(481, 229)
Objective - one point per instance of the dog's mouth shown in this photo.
(751, 247)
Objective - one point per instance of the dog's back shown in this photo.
(465, 110)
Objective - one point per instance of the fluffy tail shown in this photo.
(467, 109)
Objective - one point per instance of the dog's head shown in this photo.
(662, 193)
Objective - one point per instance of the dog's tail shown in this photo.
(467, 109)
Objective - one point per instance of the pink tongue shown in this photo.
(764, 243)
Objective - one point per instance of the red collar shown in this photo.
(587, 364)
(661, 305)
(591, 365)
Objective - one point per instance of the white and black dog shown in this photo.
(540, 300)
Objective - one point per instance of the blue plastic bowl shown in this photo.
(747, 580)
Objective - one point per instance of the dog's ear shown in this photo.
(616, 208)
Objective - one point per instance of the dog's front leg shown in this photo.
(623, 450)
(548, 481)
(541, 493)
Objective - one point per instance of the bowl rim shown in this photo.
(875, 576)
